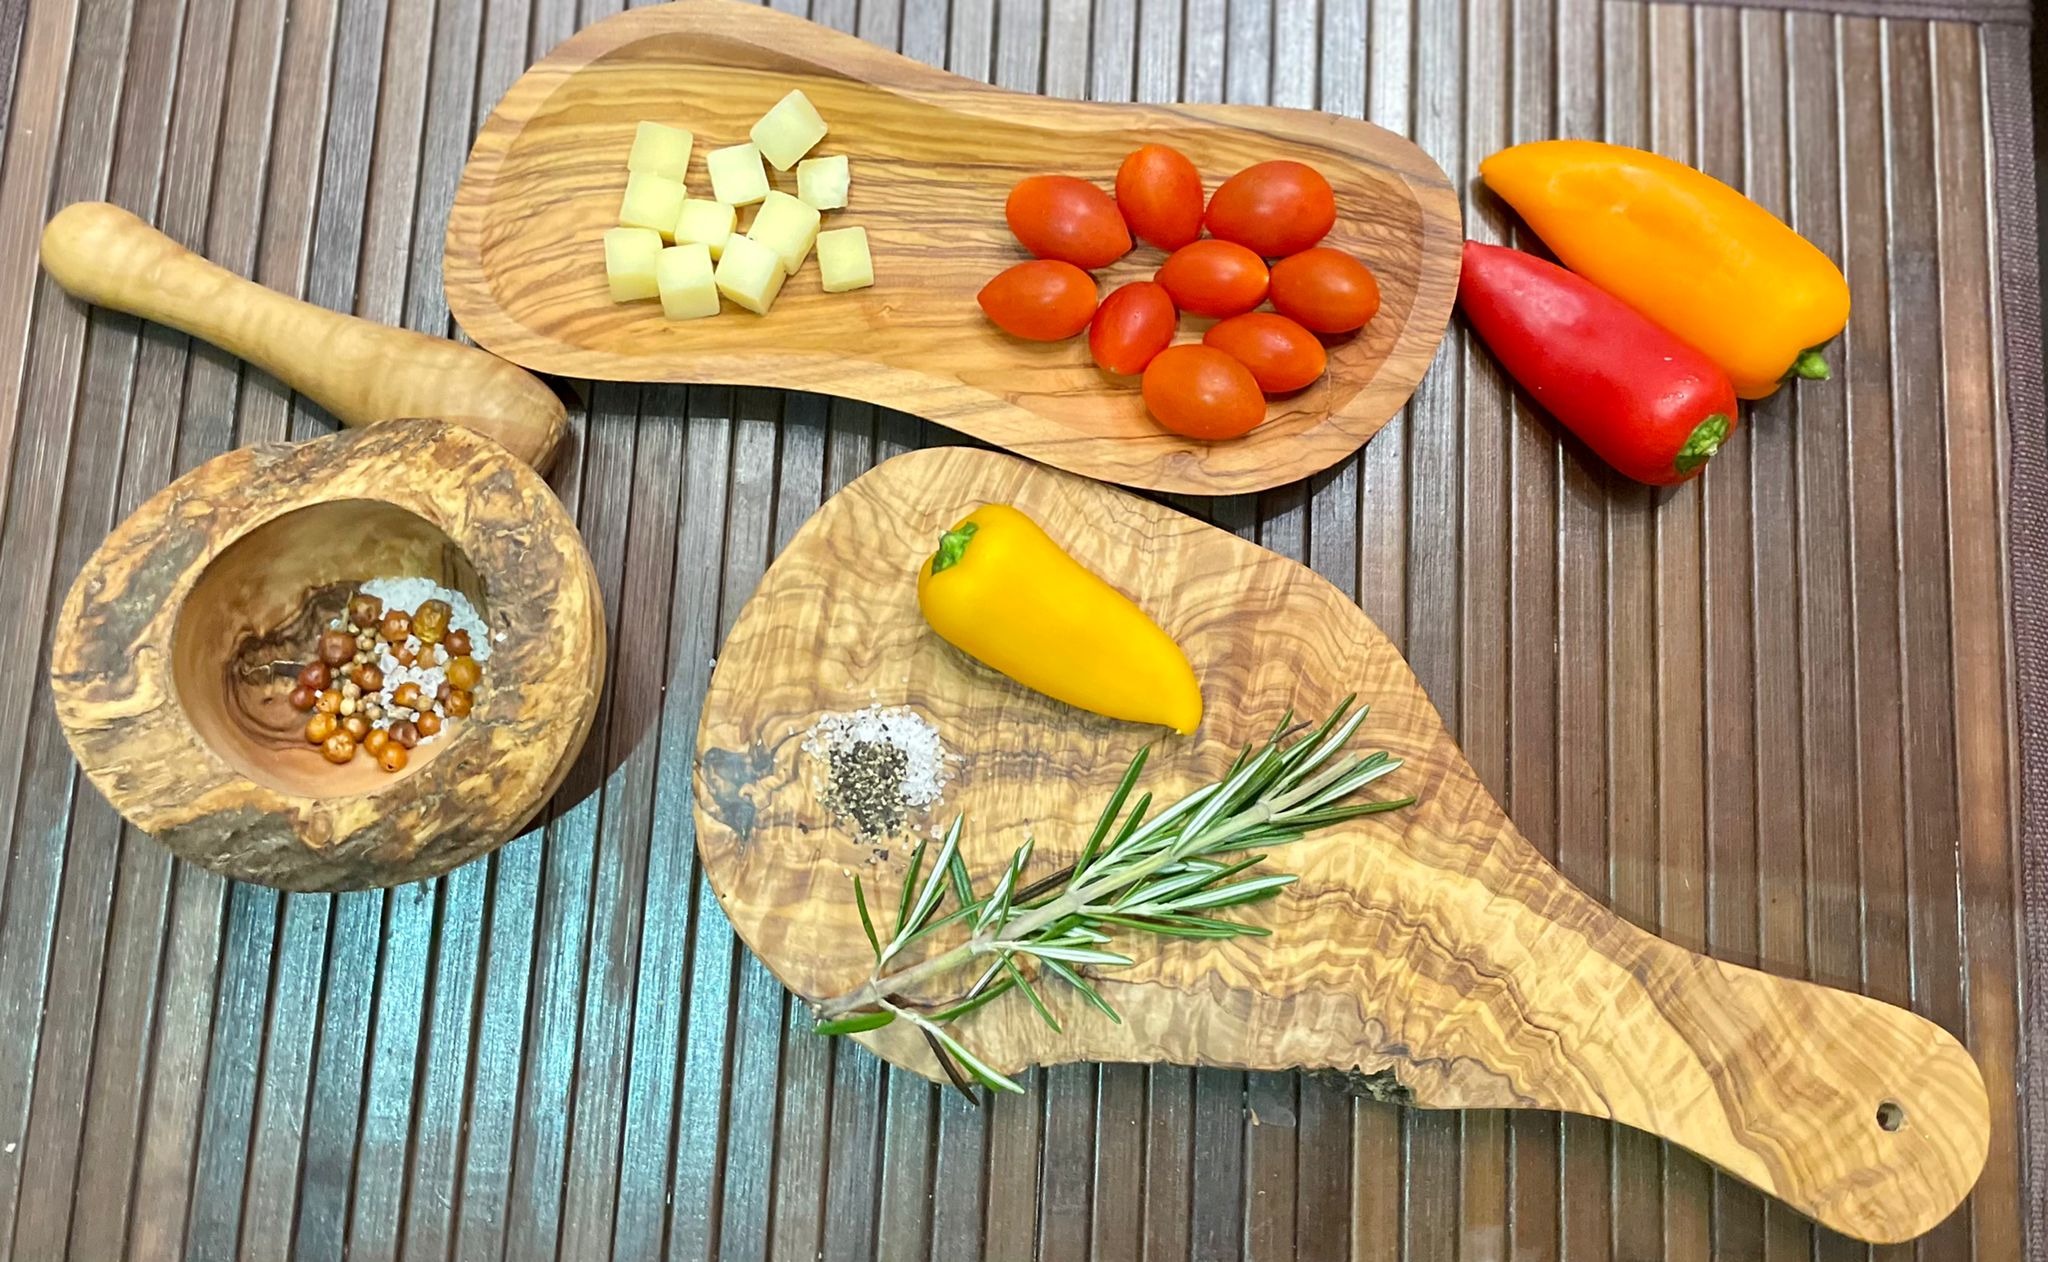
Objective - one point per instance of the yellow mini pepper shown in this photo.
(1002, 592)
(1714, 268)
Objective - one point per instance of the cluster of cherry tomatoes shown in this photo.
(1218, 388)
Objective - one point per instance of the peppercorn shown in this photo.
(328, 702)
(392, 757)
(336, 647)
(395, 627)
(404, 655)
(364, 610)
(464, 673)
(441, 693)
(302, 697)
(457, 642)
(320, 727)
(405, 732)
(375, 741)
(429, 723)
(458, 702)
(406, 696)
(316, 675)
(430, 621)
(339, 747)
(355, 725)
(369, 678)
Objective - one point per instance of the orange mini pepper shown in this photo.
(1708, 264)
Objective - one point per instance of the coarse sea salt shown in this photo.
(878, 764)
(409, 594)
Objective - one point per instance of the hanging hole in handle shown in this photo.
(1891, 1115)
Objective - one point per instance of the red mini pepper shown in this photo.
(1650, 405)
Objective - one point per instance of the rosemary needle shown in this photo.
(1157, 874)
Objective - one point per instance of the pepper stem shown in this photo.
(953, 546)
(1700, 445)
(1810, 366)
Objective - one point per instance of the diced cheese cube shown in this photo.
(659, 149)
(737, 177)
(787, 226)
(683, 273)
(822, 182)
(652, 201)
(750, 274)
(843, 260)
(629, 258)
(788, 131)
(706, 222)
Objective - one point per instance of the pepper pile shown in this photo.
(384, 681)
(1270, 210)
(1682, 296)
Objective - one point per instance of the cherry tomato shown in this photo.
(1214, 278)
(1043, 300)
(1203, 393)
(1281, 354)
(1326, 290)
(1274, 208)
(1160, 193)
(1060, 217)
(1132, 325)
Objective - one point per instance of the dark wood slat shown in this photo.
(49, 894)
(1978, 544)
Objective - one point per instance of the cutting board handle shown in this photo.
(1870, 1118)
(360, 371)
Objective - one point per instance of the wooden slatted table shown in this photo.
(1775, 715)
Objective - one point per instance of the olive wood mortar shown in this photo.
(176, 646)
(933, 157)
(1431, 949)
(361, 372)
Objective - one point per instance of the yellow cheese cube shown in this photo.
(707, 222)
(787, 226)
(750, 274)
(629, 257)
(683, 273)
(661, 150)
(737, 178)
(788, 131)
(652, 201)
(822, 182)
(843, 260)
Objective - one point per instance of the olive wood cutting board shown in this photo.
(933, 157)
(1431, 950)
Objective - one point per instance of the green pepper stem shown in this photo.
(1700, 445)
(1810, 366)
(953, 546)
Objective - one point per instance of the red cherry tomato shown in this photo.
(1060, 217)
(1202, 393)
(1281, 354)
(1326, 290)
(1160, 193)
(1132, 325)
(1043, 300)
(1214, 278)
(1274, 208)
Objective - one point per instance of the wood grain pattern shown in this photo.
(362, 373)
(1433, 944)
(222, 571)
(933, 158)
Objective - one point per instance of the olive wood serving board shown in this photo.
(1430, 949)
(933, 158)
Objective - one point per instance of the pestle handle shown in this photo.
(360, 371)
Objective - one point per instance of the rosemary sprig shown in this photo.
(1160, 874)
